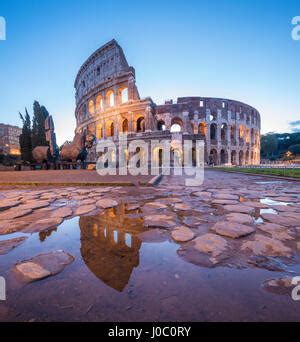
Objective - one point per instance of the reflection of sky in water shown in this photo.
(269, 201)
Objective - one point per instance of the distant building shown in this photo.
(9, 139)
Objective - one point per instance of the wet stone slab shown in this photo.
(7, 245)
(43, 265)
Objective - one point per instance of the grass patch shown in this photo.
(294, 173)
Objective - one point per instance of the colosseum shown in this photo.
(108, 102)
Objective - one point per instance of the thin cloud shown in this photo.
(295, 123)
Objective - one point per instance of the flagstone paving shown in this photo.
(232, 222)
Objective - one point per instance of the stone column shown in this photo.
(168, 121)
(185, 122)
(148, 113)
(117, 99)
(105, 105)
(103, 129)
(228, 135)
(237, 134)
(131, 88)
(131, 123)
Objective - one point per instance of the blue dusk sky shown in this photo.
(240, 50)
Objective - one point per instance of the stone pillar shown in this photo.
(117, 98)
(237, 134)
(228, 134)
(105, 105)
(103, 129)
(148, 114)
(218, 134)
(185, 122)
(131, 123)
(237, 157)
(116, 128)
(229, 115)
(131, 88)
(168, 121)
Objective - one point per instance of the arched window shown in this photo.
(175, 128)
(140, 124)
(223, 132)
(84, 112)
(202, 128)
(213, 131)
(124, 95)
(99, 131)
(161, 125)
(176, 125)
(110, 98)
(125, 126)
(91, 107)
(99, 103)
(112, 129)
(242, 132)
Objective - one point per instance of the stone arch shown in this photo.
(176, 156)
(202, 128)
(194, 128)
(157, 155)
(213, 131)
(140, 124)
(110, 98)
(213, 157)
(247, 156)
(125, 126)
(241, 157)
(91, 107)
(161, 126)
(110, 128)
(232, 133)
(252, 136)
(241, 133)
(176, 125)
(213, 116)
(223, 157)
(99, 103)
(233, 158)
(247, 135)
(99, 131)
(224, 128)
(124, 94)
(84, 111)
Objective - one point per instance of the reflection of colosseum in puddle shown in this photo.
(110, 246)
(108, 102)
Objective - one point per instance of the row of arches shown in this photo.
(124, 127)
(102, 102)
(232, 157)
(244, 133)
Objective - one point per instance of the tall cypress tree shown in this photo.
(40, 114)
(25, 138)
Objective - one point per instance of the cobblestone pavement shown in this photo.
(226, 250)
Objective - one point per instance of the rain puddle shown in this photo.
(269, 182)
(123, 272)
(269, 201)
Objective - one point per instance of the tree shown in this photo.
(25, 138)
(269, 145)
(295, 149)
(40, 114)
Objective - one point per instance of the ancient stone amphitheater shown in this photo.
(108, 102)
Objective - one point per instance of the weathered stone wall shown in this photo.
(108, 102)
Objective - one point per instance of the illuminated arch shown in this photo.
(99, 103)
(91, 107)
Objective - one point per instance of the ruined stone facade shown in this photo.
(108, 102)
